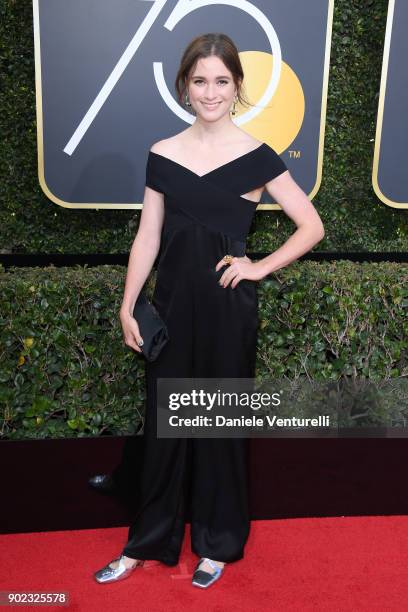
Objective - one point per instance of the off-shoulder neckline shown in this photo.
(221, 167)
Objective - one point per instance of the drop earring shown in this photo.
(234, 110)
(187, 101)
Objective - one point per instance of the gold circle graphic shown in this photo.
(280, 122)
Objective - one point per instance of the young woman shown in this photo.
(202, 189)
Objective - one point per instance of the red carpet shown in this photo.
(331, 564)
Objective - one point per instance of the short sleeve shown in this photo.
(272, 164)
(152, 173)
(261, 166)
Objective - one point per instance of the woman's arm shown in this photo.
(295, 203)
(142, 256)
(299, 208)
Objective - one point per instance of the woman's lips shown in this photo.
(211, 106)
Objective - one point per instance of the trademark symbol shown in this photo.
(294, 154)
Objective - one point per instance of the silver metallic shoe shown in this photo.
(109, 574)
(205, 579)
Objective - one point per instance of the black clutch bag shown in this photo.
(151, 326)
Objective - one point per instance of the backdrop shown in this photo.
(330, 148)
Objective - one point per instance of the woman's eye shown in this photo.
(223, 81)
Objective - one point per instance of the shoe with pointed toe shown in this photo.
(109, 574)
(205, 579)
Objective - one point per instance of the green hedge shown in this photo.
(354, 218)
(65, 370)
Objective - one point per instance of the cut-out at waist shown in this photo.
(253, 196)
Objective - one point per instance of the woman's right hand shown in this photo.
(131, 332)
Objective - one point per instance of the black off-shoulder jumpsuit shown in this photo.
(213, 333)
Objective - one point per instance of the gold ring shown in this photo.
(228, 259)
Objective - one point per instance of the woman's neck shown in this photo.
(213, 133)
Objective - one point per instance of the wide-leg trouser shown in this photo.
(209, 473)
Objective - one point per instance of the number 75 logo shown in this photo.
(103, 97)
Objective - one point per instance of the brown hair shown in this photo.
(207, 45)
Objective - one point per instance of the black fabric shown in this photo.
(213, 333)
(152, 328)
(215, 198)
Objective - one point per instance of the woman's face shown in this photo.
(211, 88)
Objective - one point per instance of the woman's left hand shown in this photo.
(240, 268)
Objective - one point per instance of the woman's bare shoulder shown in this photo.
(168, 146)
(250, 141)
(174, 146)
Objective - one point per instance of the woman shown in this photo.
(202, 189)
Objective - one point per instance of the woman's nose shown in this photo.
(210, 92)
